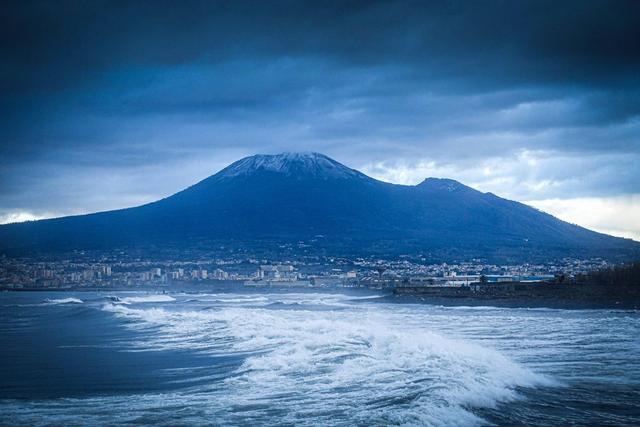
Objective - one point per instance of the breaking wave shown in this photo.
(306, 358)
(320, 366)
(147, 298)
(49, 301)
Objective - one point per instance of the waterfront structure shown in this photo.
(277, 272)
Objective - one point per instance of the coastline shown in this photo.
(385, 296)
(551, 303)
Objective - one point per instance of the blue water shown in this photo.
(303, 358)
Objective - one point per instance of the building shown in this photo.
(219, 274)
(105, 270)
(199, 274)
(277, 272)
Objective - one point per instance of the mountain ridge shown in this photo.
(291, 197)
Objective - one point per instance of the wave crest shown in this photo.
(58, 301)
(349, 363)
(147, 298)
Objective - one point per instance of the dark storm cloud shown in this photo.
(573, 40)
(108, 104)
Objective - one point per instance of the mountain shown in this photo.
(266, 202)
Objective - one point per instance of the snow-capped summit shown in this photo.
(443, 184)
(292, 164)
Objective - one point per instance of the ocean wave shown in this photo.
(357, 362)
(234, 300)
(58, 301)
(366, 364)
(147, 298)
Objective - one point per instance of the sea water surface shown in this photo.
(310, 358)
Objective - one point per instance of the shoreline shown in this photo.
(561, 303)
(385, 296)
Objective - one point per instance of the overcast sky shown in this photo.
(113, 104)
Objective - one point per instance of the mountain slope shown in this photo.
(297, 196)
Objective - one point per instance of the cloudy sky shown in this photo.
(113, 104)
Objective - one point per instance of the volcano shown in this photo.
(265, 201)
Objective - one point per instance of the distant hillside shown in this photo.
(267, 200)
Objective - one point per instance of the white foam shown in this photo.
(228, 300)
(147, 298)
(359, 362)
(63, 301)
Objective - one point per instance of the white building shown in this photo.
(219, 274)
(277, 272)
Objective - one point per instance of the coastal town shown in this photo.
(120, 271)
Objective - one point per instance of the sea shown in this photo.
(309, 358)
